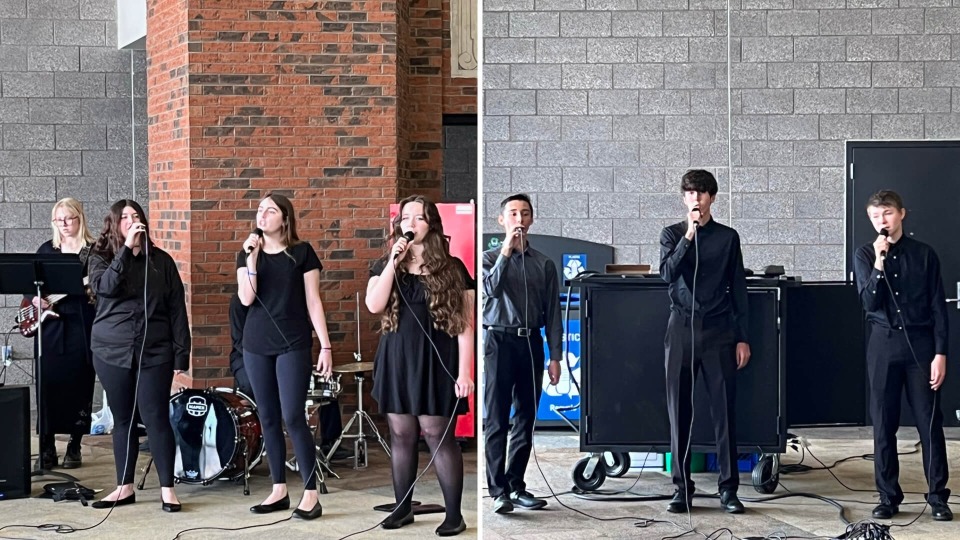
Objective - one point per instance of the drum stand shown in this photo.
(360, 438)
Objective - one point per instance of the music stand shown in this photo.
(41, 274)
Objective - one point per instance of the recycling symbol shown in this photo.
(573, 268)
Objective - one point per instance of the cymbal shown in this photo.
(354, 367)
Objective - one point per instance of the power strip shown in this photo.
(6, 354)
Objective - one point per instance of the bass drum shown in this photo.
(213, 429)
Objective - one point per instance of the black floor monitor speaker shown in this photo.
(15, 449)
(625, 388)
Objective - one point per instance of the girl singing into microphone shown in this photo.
(425, 297)
(278, 276)
(140, 339)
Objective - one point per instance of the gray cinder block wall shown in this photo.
(597, 107)
(72, 123)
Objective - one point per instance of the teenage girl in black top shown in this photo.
(278, 276)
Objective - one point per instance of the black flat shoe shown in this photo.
(314, 513)
(130, 499)
(170, 507)
(282, 504)
(394, 522)
(731, 503)
(452, 531)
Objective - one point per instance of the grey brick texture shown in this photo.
(64, 88)
(641, 95)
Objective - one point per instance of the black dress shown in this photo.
(407, 378)
(67, 371)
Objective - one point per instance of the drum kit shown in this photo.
(218, 433)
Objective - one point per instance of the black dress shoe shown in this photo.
(170, 507)
(885, 511)
(72, 459)
(452, 531)
(394, 521)
(680, 503)
(525, 499)
(130, 499)
(313, 513)
(502, 504)
(282, 504)
(47, 460)
(730, 503)
(940, 511)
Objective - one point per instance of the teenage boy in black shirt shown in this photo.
(520, 296)
(701, 255)
(901, 290)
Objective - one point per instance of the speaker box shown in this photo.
(624, 395)
(15, 450)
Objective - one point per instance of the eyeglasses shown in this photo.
(66, 220)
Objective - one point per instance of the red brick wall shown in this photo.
(293, 96)
(433, 93)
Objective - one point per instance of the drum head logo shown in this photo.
(197, 406)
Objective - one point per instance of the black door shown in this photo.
(927, 175)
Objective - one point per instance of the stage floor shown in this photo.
(348, 507)
(793, 517)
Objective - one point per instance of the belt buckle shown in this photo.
(523, 332)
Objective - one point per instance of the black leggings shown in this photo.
(280, 383)
(153, 402)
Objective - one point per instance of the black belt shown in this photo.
(512, 330)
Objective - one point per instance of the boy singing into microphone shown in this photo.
(901, 290)
(520, 296)
(701, 261)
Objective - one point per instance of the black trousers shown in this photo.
(714, 357)
(153, 403)
(892, 369)
(510, 377)
(280, 384)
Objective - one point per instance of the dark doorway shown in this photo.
(927, 175)
(459, 158)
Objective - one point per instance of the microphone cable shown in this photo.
(453, 416)
(641, 522)
(313, 470)
(936, 395)
(63, 528)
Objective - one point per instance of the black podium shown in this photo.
(624, 404)
(41, 275)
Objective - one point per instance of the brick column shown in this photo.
(294, 97)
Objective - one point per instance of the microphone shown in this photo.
(886, 234)
(409, 236)
(696, 222)
(259, 232)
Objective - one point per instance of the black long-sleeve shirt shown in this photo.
(721, 280)
(505, 289)
(912, 269)
(119, 326)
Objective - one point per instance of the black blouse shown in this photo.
(122, 326)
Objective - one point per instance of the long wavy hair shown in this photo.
(442, 278)
(74, 207)
(111, 239)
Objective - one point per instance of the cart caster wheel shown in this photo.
(615, 464)
(765, 479)
(591, 483)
